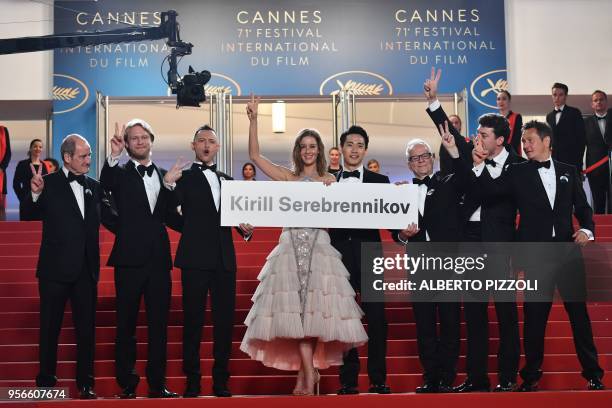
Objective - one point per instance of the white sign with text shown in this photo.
(312, 204)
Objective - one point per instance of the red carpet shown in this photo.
(19, 336)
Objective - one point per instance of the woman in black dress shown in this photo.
(23, 174)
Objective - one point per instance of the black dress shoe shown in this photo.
(595, 384)
(444, 387)
(379, 389)
(87, 392)
(162, 393)
(427, 388)
(528, 386)
(507, 386)
(191, 392)
(469, 386)
(128, 392)
(348, 390)
(221, 391)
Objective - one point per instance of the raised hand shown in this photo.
(36, 182)
(175, 173)
(252, 106)
(479, 154)
(117, 142)
(448, 140)
(430, 86)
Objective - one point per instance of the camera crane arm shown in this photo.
(169, 29)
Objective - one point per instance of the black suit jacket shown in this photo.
(497, 213)
(443, 219)
(598, 146)
(569, 139)
(465, 148)
(139, 234)
(361, 235)
(203, 239)
(68, 241)
(523, 183)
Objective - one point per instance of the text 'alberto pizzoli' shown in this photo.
(286, 204)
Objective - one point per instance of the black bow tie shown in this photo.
(425, 181)
(490, 162)
(79, 179)
(142, 169)
(354, 173)
(602, 117)
(545, 164)
(558, 110)
(205, 166)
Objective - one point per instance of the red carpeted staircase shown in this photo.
(19, 309)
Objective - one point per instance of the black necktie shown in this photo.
(142, 169)
(602, 117)
(491, 163)
(545, 164)
(425, 181)
(354, 173)
(205, 166)
(79, 179)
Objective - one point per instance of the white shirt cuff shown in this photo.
(170, 187)
(478, 169)
(247, 237)
(434, 105)
(401, 240)
(35, 197)
(112, 161)
(588, 232)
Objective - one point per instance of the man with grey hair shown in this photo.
(439, 221)
(68, 260)
(141, 256)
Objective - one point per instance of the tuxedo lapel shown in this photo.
(161, 195)
(136, 180)
(561, 184)
(539, 185)
(67, 190)
(87, 195)
(201, 179)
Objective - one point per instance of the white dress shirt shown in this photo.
(77, 189)
(151, 183)
(213, 182)
(422, 197)
(558, 112)
(495, 172)
(352, 179)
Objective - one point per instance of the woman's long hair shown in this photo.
(298, 164)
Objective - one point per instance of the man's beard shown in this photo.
(138, 156)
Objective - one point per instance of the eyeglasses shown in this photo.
(424, 156)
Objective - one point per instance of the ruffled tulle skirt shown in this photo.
(304, 292)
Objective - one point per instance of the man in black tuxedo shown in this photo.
(568, 129)
(68, 260)
(486, 219)
(599, 147)
(140, 255)
(439, 221)
(548, 193)
(207, 260)
(354, 145)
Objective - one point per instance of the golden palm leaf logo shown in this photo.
(211, 89)
(64, 94)
(358, 83)
(359, 88)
